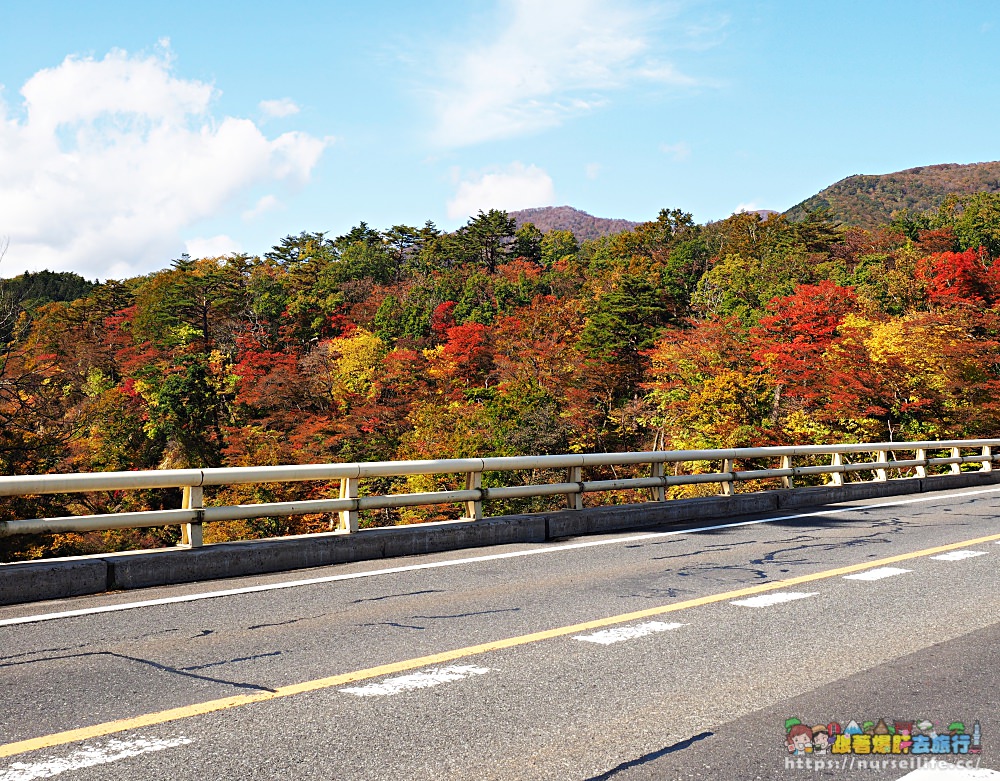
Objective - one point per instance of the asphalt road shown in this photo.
(626, 656)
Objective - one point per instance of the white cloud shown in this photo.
(551, 60)
(265, 204)
(282, 107)
(112, 160)
(679, 152)
(750, 206)
(212, 247)
(515, 187)
(592, 170)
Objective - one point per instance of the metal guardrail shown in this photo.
(192, 513)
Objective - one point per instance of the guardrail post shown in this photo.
(348, 518)
(474, 509)
(921, 470)
(728, 486)
(881, 474)
(987, 465)
(660, 492)
(787, 481)
(574, 501)
(837, 478)
(956, 469)
(193, 498)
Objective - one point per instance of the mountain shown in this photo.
(868, 200)
(584, 226)
(43, 287)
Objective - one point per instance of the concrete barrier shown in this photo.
(234, 559)
(636, 516)
(34, 581)
(58, 578)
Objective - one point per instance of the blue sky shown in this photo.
(130, 133)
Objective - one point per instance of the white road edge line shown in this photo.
(622, 633)
(774, 598)
(89, 756)
(470, 560)
(958, 555)
(435, 676)
(877, 574)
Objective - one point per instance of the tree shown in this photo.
(467, 355)
(975, 220)
(956, 279)
(294, 250)
(556, 245)
(362, 233)
(443, 318)
(791, 339)
(186, 412)
(489, 236)
(621, 325)
(528, 242)
(683, 268)
(403, 245)
(707, 389)
(741, 285)
(30, 290)
(362, 260)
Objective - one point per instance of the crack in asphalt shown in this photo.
(78, 646)
(476, 613)
(719, 547)
(149, 662)
(778, 556)
(758, 574)
(393, 596)
(657, 593)
(279, 623)
(231, 661)
(395, 624)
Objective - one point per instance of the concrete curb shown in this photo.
(34, 581)
(58, 578)
(233, 559)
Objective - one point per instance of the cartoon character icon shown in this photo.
(820, 739)
(799, 740)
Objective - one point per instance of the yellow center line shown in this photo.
(211, 706)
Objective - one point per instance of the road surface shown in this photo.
(673, 653)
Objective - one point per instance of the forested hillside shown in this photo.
(867, 201)
(410, 343)
(582, 225)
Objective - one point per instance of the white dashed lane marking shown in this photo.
(422, 680)
(958, 555)
(622, 633)
(774, 598)
(88, 756)
(877, 574)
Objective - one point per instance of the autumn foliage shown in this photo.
(413, 343)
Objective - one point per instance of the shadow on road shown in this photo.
(651, 756)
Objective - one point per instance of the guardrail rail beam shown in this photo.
(193, 513)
